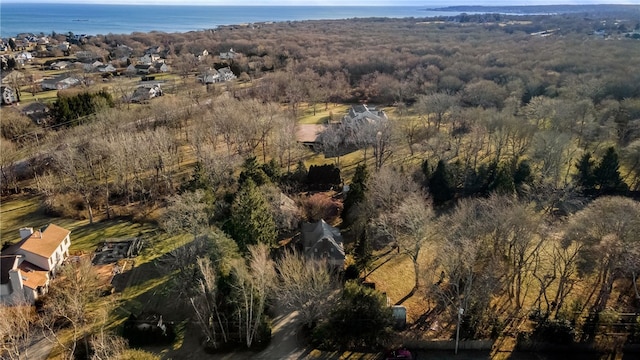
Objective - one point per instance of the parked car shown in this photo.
(398, 354)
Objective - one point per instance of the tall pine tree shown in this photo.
(357, 189)
(607, 175)
(251, 218)
(585, 178)
(441, 184)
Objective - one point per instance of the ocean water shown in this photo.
(95, 19)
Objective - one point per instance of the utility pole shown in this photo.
(460, 312)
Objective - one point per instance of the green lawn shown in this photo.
(322, 116)
(26, 211)
(44, 96)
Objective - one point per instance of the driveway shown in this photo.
(284, 340)
(284, 343)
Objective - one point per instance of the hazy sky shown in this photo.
(421, 3)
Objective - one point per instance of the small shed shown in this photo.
(399, 316)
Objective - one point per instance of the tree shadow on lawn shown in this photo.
(146, 289)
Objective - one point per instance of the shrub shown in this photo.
(360, 320)
(557, 331)
(321, 206)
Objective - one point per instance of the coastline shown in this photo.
(126, 19)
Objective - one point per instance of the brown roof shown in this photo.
(46, 242)
(32, 275)
(308, 133)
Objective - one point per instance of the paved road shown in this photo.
(284, 342)
(39, 348)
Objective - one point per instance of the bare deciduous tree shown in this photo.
(608, 228)
(16, 330)
(412, 224)
(252, 285)
(69, 302)
(305, 286)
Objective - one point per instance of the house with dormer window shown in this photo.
(322, 241)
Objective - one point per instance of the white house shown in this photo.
(146, 92)
(8, 95)
(212, 76)
(226, 74)
(364, 113)
(24, 56)
(59, 65)
(28, 266)
(150, 59)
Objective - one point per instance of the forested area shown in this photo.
(507, 176)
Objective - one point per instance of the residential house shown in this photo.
(28, 266)
(142, 68)
(210, 76)
(153, 50)
(229, 55)
(322, 241)
(105, 68)
(77, 39)
(60, 82)
(226, 74)
(36, 111)
(64, 46)
(12, 77)
(150, 59)
(146, 92)
(9, 96)
(87, 56)
(361, 114)
(24, 57)
(202, 55)
(161, 67)
(309, 134)
(139, 69)
(59, 65)
(92, 66)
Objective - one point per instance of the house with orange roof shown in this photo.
(27, 266)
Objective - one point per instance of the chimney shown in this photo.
(15, 279)
(25, 232)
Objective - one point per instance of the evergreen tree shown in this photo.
(357, 189)
(441, 184)
(585, 178)
(363, 252)
(607, 175)
(522, 177)
(503, 182)
(297, 179)
(426, 172)
(251, 218)
(272, 170)
(252, 171)
(361, 319)
(198, 179)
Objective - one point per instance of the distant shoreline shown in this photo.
(538, 9)
(18, 18)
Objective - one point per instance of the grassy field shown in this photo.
(26, 211)
(322, 116)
